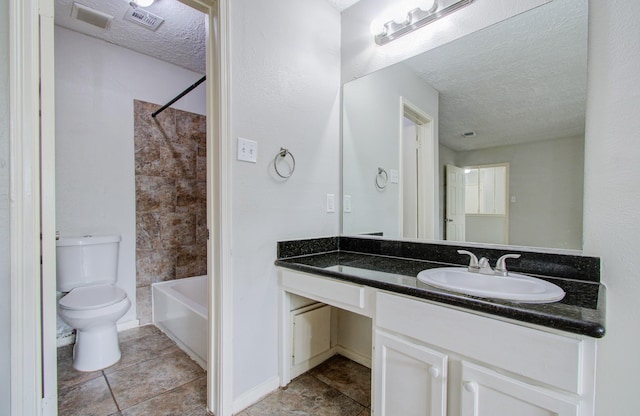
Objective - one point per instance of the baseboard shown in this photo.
(353, 356)
(305, 366)
(128, 325)
(255, 394)
(67, 339)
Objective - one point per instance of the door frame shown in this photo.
(32, 207)
(427, 165)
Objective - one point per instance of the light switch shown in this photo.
(394, 176)
(331, 203)
(346, 203)
(247, 150)
(513, 199)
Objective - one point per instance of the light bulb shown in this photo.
(426, 5)
(143, 3)
(400, 16)
(377, 27)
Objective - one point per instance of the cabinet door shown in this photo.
(487, 393)
(410, 379)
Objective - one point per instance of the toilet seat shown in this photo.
(92, 297)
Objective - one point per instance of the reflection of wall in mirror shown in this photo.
(546, 180)
(371, 128)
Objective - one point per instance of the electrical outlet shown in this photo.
(247, 150)
(331, 203)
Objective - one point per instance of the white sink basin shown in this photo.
(515, 287)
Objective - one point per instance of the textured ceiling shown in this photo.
(342, 4)
(518, 81)
(180, 40)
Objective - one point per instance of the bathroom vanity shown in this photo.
(441, 353)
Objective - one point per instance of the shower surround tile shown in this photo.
(171, 196)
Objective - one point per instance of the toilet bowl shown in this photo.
(86, 272)
(93, 311)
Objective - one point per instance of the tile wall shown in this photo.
(171, 198)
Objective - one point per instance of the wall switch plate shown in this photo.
(331, 203)
(346, 203)
(394, 176)
(247, 150)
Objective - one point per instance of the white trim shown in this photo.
(427, 157)
(24, 142)
(220, 350)
(48, 208)
(353, 356)
(255, 394)
(123, 326)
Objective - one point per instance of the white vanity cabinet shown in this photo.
(431, 359)
(410, 379)
(434, 360)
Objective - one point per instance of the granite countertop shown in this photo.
(582, 311)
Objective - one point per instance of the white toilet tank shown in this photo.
(86, 260)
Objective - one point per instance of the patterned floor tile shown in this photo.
(137, 350)
(349, 377)
(91, 398)
(187, 400)
(145, 380)
(306, 396)
(67, 375)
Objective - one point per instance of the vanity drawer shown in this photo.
(349, 296)
(548, 358)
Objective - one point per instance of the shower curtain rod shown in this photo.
(182, 94)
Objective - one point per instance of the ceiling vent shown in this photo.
(143, 18)
(91, 16)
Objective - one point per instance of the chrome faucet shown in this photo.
(501, 264)
(484, 267)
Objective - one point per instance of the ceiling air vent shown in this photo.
(143, 18)
(91, 16)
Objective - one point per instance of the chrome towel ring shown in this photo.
(283, 153)
(381, 179)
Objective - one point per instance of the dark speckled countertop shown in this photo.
(582, 311)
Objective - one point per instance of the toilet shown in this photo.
(87, 268)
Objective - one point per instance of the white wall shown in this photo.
(360, 54)
(371, 127)
(5, 301)
(96, 83)
(285, 58)
(546, 178)
(612, 199)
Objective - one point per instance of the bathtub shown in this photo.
(180, 311)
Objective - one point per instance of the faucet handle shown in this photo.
(473, 260)
(501, 264)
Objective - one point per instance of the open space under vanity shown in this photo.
(436, 352)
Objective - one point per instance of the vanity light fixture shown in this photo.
(415, 19)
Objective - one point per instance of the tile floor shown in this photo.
(154, 377)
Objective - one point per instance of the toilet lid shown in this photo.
(92, 297)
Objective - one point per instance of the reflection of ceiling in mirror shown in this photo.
(342, 4)
(518, 81)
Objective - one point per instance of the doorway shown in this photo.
(218, 398)
(477, 203)
(418, 173)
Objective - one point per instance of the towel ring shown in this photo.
(281, 155)
(381, 179)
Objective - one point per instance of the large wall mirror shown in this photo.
(478, 140)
